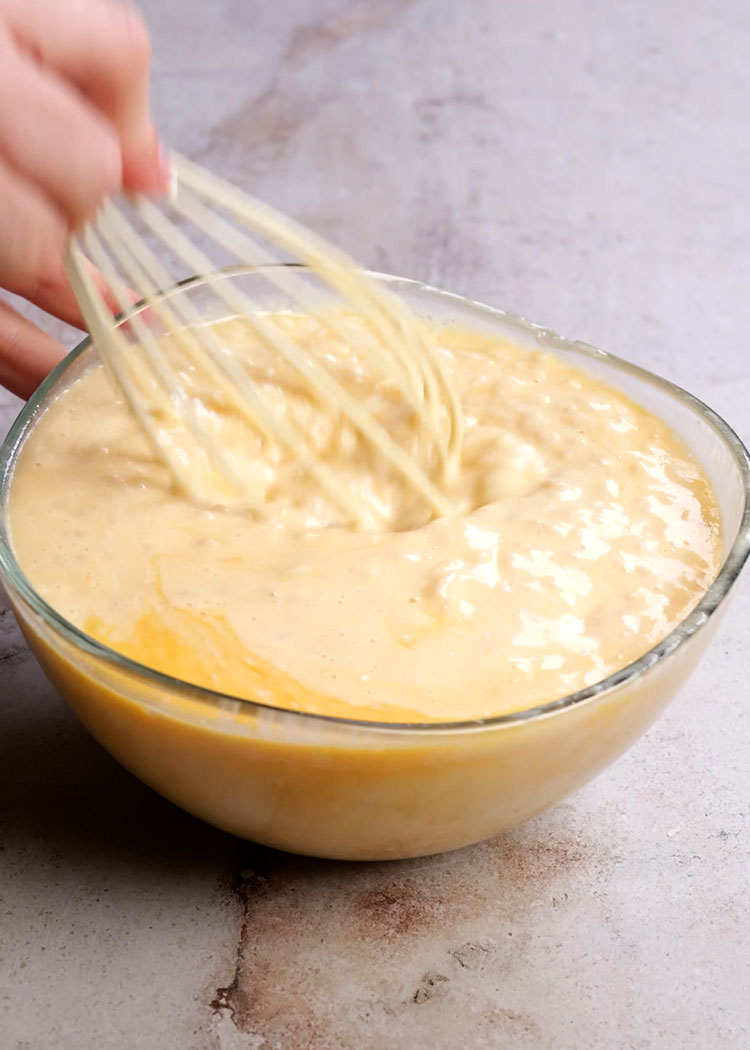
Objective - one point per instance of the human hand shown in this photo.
(75, 127)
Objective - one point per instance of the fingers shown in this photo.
(75, 126)
(55, 296)
(104, 49)
(27, 354)
(55, 139)
(32, 234)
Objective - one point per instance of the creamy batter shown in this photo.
(584, 532)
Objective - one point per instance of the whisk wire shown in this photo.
(377, 310)
(392, 340)
(285, 279)
(183, 320)
(330, 392)
(99, 323)
(173, 395)
(373, 302)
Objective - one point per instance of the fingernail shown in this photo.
(165, 166)
(165, 174)
(151, 173)
(164, 162)
(159, 181)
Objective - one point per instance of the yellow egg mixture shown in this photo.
(584, 532)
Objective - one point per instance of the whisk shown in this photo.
(205, 214)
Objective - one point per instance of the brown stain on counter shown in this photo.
(310, 39)
(368, 947)
(394, 909)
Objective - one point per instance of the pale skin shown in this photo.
(75, 127)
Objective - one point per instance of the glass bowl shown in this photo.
(339, 788)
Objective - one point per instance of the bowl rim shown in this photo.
(732, 565)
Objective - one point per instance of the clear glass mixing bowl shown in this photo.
(340, 788)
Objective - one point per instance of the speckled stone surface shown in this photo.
(584, 164)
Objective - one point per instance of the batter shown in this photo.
(584, 532)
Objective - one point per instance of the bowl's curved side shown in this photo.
(343, 792)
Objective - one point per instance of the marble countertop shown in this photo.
(583, 164)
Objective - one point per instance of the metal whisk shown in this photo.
(143, 252)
